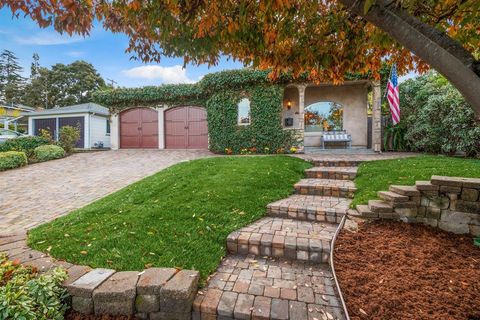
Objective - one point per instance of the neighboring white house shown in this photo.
(92, 119)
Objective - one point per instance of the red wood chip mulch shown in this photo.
(394, 270)
(72, 315)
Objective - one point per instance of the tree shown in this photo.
(36, 90)
(328, 39)
(11, 82)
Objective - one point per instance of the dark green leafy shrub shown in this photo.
(436, 117)
(12, 159)
(68, 137)
(25, 295)
(25, 144)
(49, 152)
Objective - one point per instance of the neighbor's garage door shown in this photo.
(78, 122)
(139, 128)
(186, 128)
(49, 124)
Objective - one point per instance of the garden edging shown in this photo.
(155, 293)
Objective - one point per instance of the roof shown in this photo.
(77, 108)
(20, 107)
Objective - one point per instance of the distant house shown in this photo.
(92, 119)
(12, 116)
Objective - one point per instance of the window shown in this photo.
(324, 116)
(108, 127)
(244, 112)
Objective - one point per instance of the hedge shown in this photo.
(25, 144)
(12, 159)
(49, 152)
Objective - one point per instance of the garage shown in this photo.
(53, 125)
(139, 128)
(186, 128)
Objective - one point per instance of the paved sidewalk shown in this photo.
(41, 192)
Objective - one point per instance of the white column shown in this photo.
(161, 127)
(301, 106)
(30, 126)
(86, 134)
(114, 132)
(377, 118)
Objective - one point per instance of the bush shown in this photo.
(12, 159)
(436, 118)
(68, 137)
(25, 295)
(24, 144)
(49, 152)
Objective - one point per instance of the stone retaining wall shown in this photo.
(449, 203)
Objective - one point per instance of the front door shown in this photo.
(186, 128)
(139, 128)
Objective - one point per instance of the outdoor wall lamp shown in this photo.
(289, 104)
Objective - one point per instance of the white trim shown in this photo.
(86, 132)
(115, 131)
(161, 127)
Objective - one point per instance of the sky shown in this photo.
(103, 49)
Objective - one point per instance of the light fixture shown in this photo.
(289, 104)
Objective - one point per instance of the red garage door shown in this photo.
(186, 128)
(139, 128)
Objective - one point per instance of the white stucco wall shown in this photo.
(98, 131)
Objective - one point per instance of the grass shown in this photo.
(179, 217)
(376, 176)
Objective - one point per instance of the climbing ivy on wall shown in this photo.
(220, 93)
(263, 135)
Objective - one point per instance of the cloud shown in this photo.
(46, 38)
(173, 74)
(76, 54)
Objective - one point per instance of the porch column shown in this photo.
(377, 117)
(161, 126)
(301, 105)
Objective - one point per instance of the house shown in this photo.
(241, 109)
(92, 120)
(11, 116)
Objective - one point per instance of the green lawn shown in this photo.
(179, 217)
(376, 176)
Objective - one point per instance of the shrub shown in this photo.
(25, 295)
(12, 159)
(49, 152)
(44, 133)
(436, 117)
(24, 144)
(68, 137)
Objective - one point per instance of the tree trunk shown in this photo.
(441, 52)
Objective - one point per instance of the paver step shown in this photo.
(365, 212)
(278, 237)
(392, 197)
(326, 187)
(339, 173)
(310, 208)
(410, 191)
(379, 206)
(252, 287)
(336, 163)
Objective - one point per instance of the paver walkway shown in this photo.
(41, 192)
(278, 267)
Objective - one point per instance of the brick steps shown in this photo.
(253, 287)
(336, 163)
(339, 173)
(278, 237)
(310, 208)
(326, 187)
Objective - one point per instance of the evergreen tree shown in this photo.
(36, 91)
(11, 82)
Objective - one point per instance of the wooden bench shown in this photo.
(337, 136)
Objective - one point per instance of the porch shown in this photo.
(317, 110)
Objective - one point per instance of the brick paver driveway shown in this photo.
(41, 192)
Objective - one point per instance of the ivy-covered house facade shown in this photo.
(241, 111)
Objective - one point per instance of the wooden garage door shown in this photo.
(78, 122)
(139, 128)
(186, 128)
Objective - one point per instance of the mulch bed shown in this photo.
(394, 270)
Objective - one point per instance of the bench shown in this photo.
(337, 136)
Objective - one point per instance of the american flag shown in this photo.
(393, 95)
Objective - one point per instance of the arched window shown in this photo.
(324, 116)
(244, 112)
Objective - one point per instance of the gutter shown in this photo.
(340, 227)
